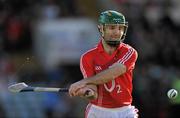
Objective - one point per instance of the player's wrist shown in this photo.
(89, 81)
(86, 81)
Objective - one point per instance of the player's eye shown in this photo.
(112, 27)
(121, 28)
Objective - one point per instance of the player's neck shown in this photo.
(109, 49)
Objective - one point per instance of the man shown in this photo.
(108, 70)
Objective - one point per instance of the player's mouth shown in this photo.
(114, 38)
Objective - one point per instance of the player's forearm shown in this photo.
(107, 75)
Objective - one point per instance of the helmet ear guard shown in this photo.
(125, 31)
(101, 29)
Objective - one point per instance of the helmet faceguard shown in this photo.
(113, 18)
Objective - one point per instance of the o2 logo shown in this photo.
(113, 86)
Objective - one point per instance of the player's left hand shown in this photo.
(76, 86)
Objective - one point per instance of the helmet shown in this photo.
(113, 17)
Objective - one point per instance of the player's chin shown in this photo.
(113, 39)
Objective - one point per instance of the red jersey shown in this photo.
(116, 93)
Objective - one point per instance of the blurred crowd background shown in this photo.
(41, 42)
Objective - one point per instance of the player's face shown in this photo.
(113, 32)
